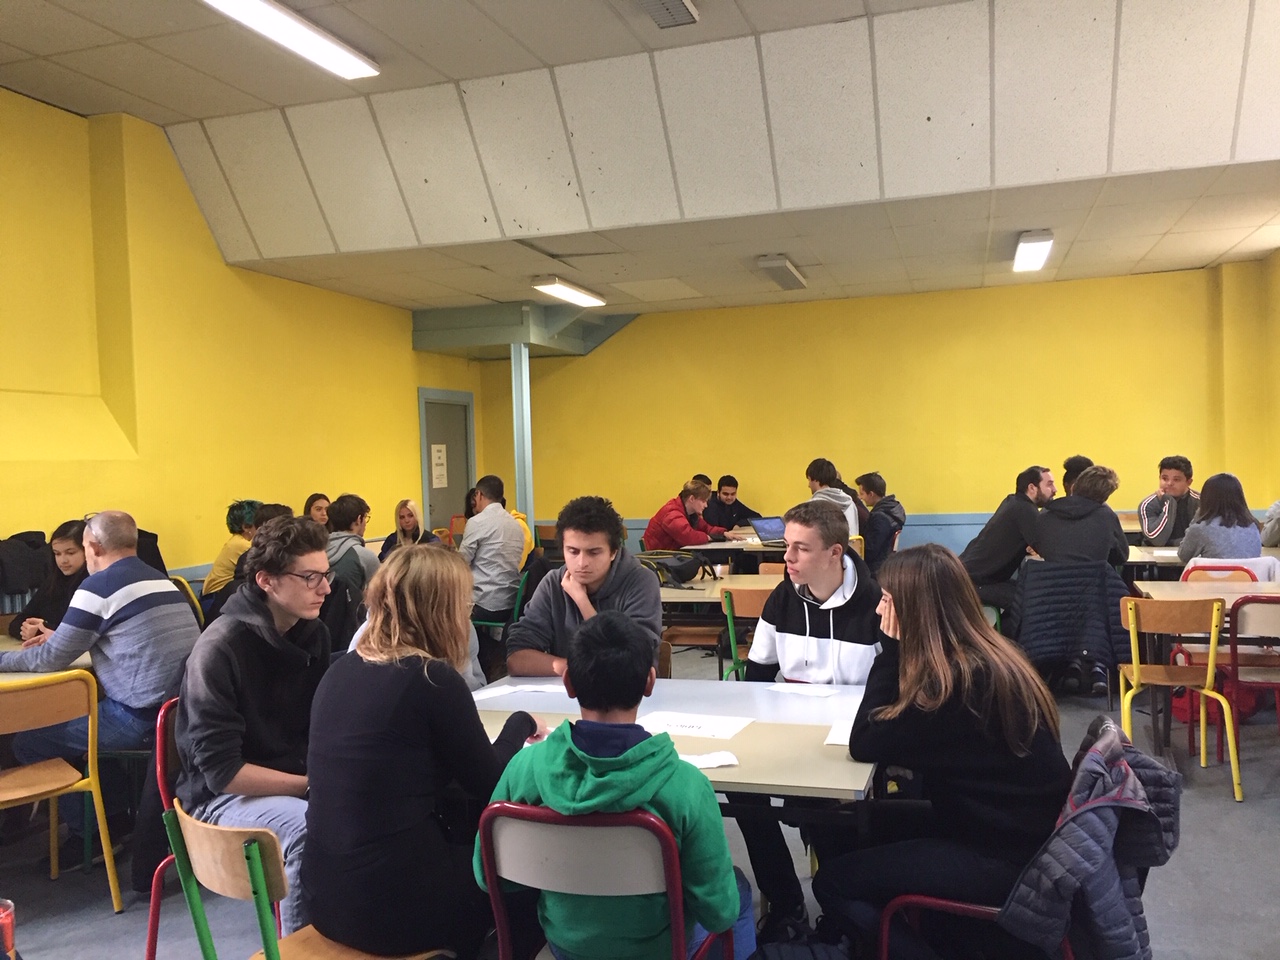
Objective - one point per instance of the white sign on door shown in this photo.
(439, 466)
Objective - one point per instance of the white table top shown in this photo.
(708, 591)
(1168, 556)
(781, 753)
(1202, 589)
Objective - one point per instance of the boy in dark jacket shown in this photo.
(245, 709)
(725, 509)
(1081, 528)
(885, 519)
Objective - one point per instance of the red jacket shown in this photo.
(670, 530)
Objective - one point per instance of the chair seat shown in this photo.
(309, 944)
(1155, 675)
(1260, 675)
(692, 636)
(36, 780)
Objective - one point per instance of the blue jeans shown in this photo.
(744, 928)
(119, 728)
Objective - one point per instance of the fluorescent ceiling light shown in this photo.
(671, 13)
(563, 290)
(282, 25)
(1033, 250)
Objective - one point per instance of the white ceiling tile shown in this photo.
(862, 217)
(1169, 265)
(574, 245)
(505, 255)
(1020, 201)
(717, 21)
(262, 166)
(451, 36)
(598, 33)
(941, 265)
(9, 54)
(432, 152)
(1259, 135)
(1229, 210)
(1262, 241)
(1065, 225)
(876, 8)
(525, 153)
(700, 233)
(1166, 185)
(880, 288)
(1052, 89)
(400, 69)
(822, 113)
(961, 206)
(967, 281)
(615, 132)
(1007, 278)
(449, 303)
(1248, 178)
(409, 286)
(933, 77)
(142, 71)
(376, 263)
(42, 28)
(1091, 269)
(1204, 245)
(767, 15)
(967, 237)
(351, 175)
(239, 57)
(846, 248)
(678, 306)
(736, 283)
(145, 18)
(54, 83)
(1178, 82)
(1113, 250)
(211, 191)
(652, 291)
(1133, 219)
(714, 107)
(870, 271)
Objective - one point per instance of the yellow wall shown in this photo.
(216, 383)
(949, 395)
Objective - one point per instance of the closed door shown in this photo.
(446, 432)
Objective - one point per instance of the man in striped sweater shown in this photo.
(138, 630)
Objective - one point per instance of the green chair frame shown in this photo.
(737, 666)
(515, 610)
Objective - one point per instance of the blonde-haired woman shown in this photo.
(959, 705)
(409, 530)
(387, 864)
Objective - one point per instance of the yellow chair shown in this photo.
(859, 546)
(189, 595)
(41, 700)
(767, 568)
(1177, 617)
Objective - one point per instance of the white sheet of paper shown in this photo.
(839, 735)
(709, 761)
(1164, 552)
(693, 724)
(805, 689)
(486, 693)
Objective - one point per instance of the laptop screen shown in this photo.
(768, 528)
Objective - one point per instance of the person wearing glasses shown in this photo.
(245, 708)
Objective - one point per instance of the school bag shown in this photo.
(674, 567)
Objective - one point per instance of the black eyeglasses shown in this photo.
(312, 578)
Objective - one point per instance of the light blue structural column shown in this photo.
(522, 428)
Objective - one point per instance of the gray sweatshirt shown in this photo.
(1271, 527)
(843, 501)
(1210, 538)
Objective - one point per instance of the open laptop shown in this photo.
(770, 530)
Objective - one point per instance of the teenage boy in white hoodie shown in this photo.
(824, 484)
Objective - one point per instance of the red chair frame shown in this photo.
(642, 819)
(916, 901)
(1218, 568)
(164, 721)
(1234, 682)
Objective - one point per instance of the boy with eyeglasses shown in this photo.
(245, 708)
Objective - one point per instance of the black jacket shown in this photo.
(886, 518)
(1080, 530)
(51, 601)
(993, 556)
(246, 696)
(735, 514)
(1063, 611)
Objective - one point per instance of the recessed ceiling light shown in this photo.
(1033, 250)
(563, 290)
(282, 25)
(670, 13)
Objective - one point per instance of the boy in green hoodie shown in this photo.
(607, 763)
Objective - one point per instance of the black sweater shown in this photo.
(720, 514)
(1080, 530)
(982, 794)
(50, 602)
(387, 739)
(995, 554)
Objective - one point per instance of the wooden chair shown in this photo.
(664, 660)
(1175, 618)
(245, 863)
(738, 602)
(1253, 616)
(457, 527)
(189, 595)
(859, 546)
(42, 700)
(548, 851)
(544, 534)
(445, 535)
(779, 568)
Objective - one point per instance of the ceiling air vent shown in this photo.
(670, 13)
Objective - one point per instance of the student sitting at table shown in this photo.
(679, 523)
(240, 523)
(818, 626)
(1166, 514)
(996, 553)
(825, 484)
(725, 509)
(213, 607)
(408, 531)
(1072, 467)
(885, 519)
(48, 605)
(387, 864)
(957, 704)
(607, 763)
(1081, 528)
(317, 509)
(599, 574)
(1223, 527)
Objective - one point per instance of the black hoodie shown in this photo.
(246, 696)
(887, 517)
(1080, 530)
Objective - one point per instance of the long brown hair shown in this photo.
(1222, 498)
(419, 606)
(948, 650)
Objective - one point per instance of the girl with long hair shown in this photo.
(958, 704)
(387, 865)
(1223, 527)
(48, 605)
(409, 529)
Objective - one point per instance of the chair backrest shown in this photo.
(42, 700)
(518, 607)
(217, 856)
(457, 527)
(1220, 572)
(768, 568)
(664, 660)
(1255, 616)
(168, 763)
(896, 534)
(189, 595)
(859, 545)
(1141, 615)
(744, 601)
(1265, 569)
(546, 850)
(544, 533)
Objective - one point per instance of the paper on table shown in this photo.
(839, 735)
(708, 761)
(805, 689)
(693, 724)
(1164, 552)
(484, 693)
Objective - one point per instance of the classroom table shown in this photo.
(780, 753)
(707, 590)
(7, 642)
(1129, 522)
